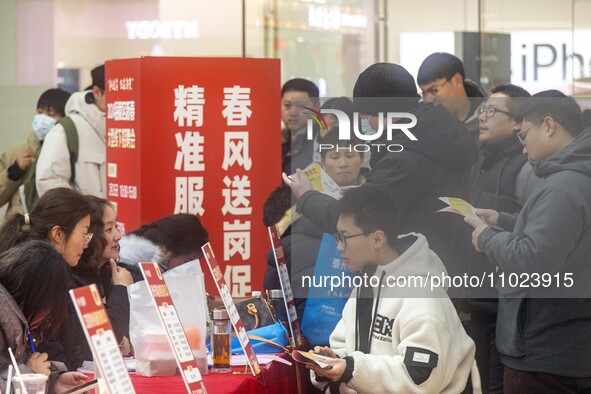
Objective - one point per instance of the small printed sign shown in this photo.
(281, 263)
(174, 329)
(101, 339)
(222, 286)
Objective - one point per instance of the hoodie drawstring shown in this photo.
(364, 344)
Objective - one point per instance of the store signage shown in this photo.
(155, 29)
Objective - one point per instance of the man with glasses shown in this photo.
(392, 339)
(543, 328)
(502, 180)
(442, 80)
(437, 164)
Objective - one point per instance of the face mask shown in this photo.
(42, 124)
(366, 128)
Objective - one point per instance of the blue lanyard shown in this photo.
(32, 343)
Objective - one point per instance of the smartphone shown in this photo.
(83, 387)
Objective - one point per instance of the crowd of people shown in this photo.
(523, 161)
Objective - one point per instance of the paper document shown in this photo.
(461, 207)
(321, 181)
(310, 358)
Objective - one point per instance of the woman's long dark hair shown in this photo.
(61, 207)
(37, 277)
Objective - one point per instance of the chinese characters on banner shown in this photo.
(101, 339)
(206, 142)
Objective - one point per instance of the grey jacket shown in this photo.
(547, 329)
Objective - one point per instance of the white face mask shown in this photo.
(366, 128)
(42, 124)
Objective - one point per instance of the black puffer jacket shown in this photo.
(70, 345)
(437, 164)
(300, 245)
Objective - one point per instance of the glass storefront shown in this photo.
(536, 44)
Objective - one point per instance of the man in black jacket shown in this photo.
(436, 164)
(544, 318)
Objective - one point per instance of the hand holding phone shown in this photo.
(83, 388)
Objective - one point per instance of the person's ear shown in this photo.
(379, 239)
(57, 235)
(316, 104)
(457, 79)
(549, 125)
(97, 92)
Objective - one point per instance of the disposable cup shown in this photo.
(34, 383)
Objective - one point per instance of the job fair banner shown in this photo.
(198, 136)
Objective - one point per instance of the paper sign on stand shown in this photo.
(222, 286)
(294, 325)
(175, 332)
(101, 339)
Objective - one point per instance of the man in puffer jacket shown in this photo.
(400, 334)
(544, 318)
(87, 111)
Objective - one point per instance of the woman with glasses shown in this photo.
(97, 266)
(62, 217)
(502, 180)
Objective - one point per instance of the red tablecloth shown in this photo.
(277, 377)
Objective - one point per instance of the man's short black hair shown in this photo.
(275, 206)
(555, 104)
(439, 65)
(372, 209)
(341, 103)
(98, 77)
(54, 100)
(516, 96)
(300, 85)
(508, 89)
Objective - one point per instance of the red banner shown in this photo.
(198, 136)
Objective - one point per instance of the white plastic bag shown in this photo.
(153, 355)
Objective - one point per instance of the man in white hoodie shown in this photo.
(87, 111)
(397, 334)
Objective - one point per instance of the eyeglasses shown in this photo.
(520, 135)
(87, 236)
(434, 90)
(341, 238)
(491, 111)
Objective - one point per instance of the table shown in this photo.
(278, 378)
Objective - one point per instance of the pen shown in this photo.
(32, 343)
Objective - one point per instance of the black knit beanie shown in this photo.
(384, 87)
